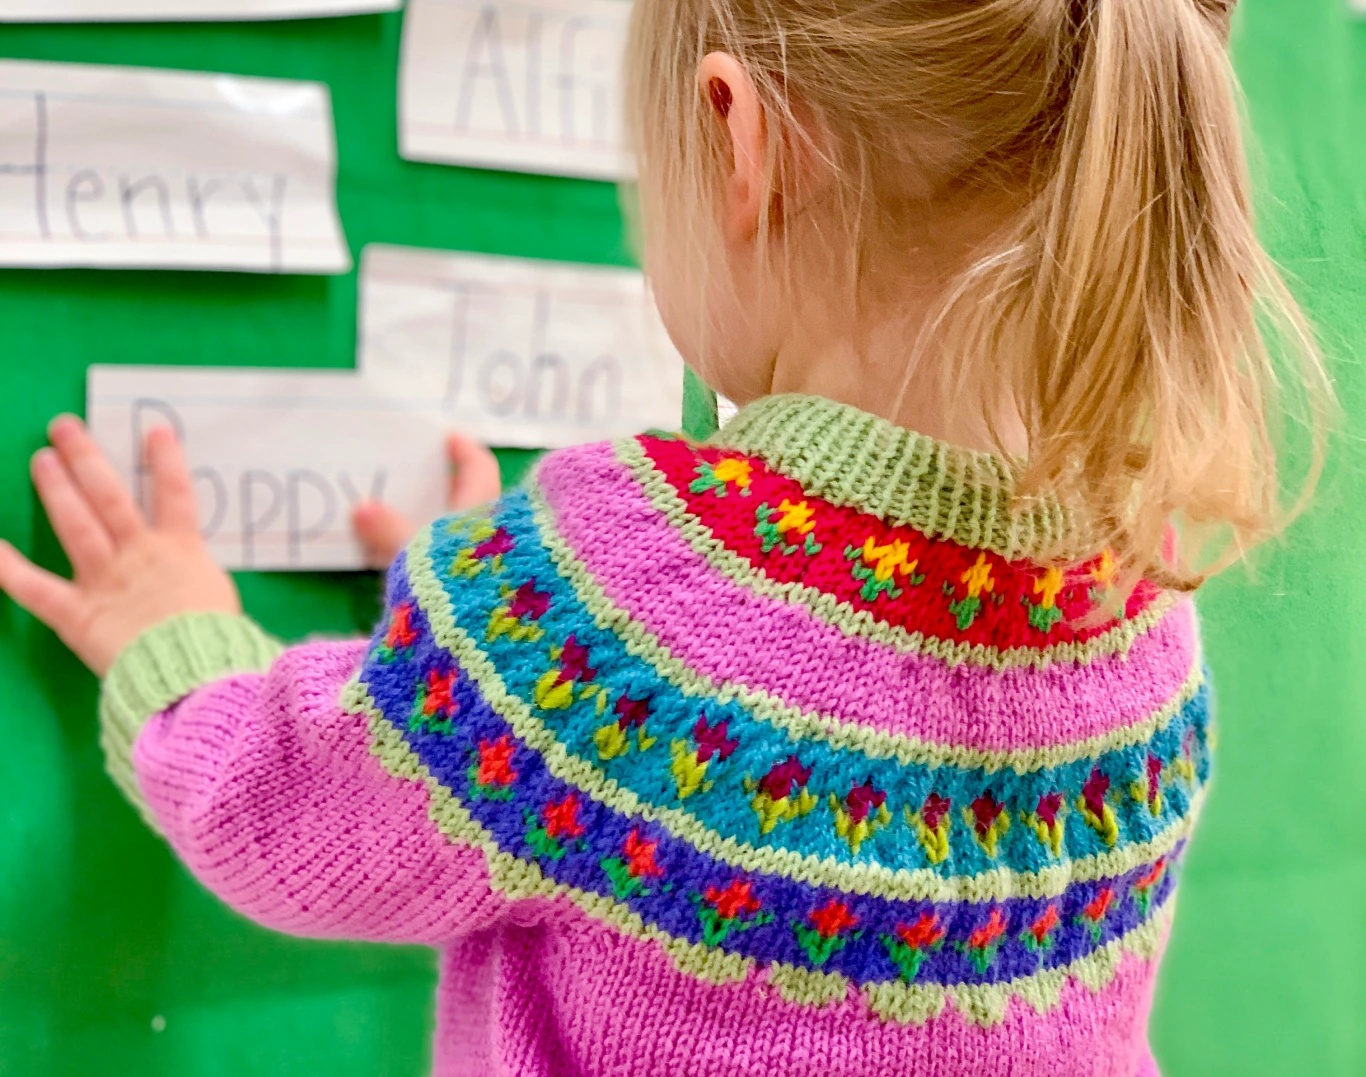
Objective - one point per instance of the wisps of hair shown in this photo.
(1145, 334)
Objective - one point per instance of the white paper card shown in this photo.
(121, 10)
(523, 85)
(279, 458)
(517, 352)
(112, 166)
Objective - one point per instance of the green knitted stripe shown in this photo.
(841, 732)
(852, 622)
(980, 1004)
(854, 459)
(864, 878)
(164, 665)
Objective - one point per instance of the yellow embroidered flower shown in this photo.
(978, 578)
(733, 470)
(1049, 585)
(798, 518)
(888, 559)
(1105, 570)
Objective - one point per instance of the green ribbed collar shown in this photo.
(851, 458)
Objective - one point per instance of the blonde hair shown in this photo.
(1129, 306)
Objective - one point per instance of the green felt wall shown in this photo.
(101, 932)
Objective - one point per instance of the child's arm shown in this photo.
(238, 750)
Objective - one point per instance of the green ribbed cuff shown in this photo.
(164, 665)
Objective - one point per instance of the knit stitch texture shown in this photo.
(773, 755)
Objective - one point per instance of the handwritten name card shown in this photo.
(517, 352)
(523, 85)
(278, 458)
(110, 166)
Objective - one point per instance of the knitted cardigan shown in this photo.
(771, 755)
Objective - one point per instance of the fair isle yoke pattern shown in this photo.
(798, 705)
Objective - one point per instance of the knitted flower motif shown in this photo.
(516, 617)
(1093, 916)
(979, 581)
(636, 864)
(614, 739)
(716, 478)
(1183, 766)
(690, 763)
(1142, 888)
(736, 908)
(1148, 789)
(559, 820)
(863, 813)
(877, 567)
(1045, 821)
(1103, 572)
(1038, 936)
(1094, 808)
(781, 794)
(989, 821)
(913, 943)
(931, 824)
(555, 688)
(792, 522)
(435, 706)
(1044, 614)
(488, 544)
(400, 635)
(491, 777)
(829, 931)
(983, 944)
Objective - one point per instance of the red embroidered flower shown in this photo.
(438, 698)
(778, 783)
(1093, 792)
(529, 602)
(985, 810)
(640, 856)
(495, 762)
(1152, 876)
(401, 632)
(500, 542)
(712, 740)
(934, 809)
(923, 934)
(735, 900)
(1041, 927)
(832, 918)
(1049, 806)
(562, 819)
(632, 712)
(574, 662)
(862, 800)
(1099, 906)
(989, 932)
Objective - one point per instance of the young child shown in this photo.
(826, 747)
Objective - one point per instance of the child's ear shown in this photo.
(731, 96)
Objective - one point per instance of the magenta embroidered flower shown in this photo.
(863, 799)
(989, 821)
(528, 603)
(1048, 807)
(934, 809)
(499, 543)
(1094, 809)
(712, 740)
(931, 824)
(781, 794)
(861, 815)
(1093, 792)
(690, 761)
(782, 777)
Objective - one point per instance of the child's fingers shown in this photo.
(96, 478)
(475, 479)
(174, 505)
(382, 532)
(51, 599)
(86, 542)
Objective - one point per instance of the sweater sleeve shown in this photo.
(242, 754)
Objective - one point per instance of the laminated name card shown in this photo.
(278, 458)
(521, 85)
(517, 352)
(128, 10)
(112, 166)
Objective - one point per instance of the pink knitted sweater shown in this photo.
(775, 755)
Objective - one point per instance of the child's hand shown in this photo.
(129, 575)
(475, 480)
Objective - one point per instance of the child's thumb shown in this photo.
(382, 532)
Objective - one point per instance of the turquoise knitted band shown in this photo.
(164, 665)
